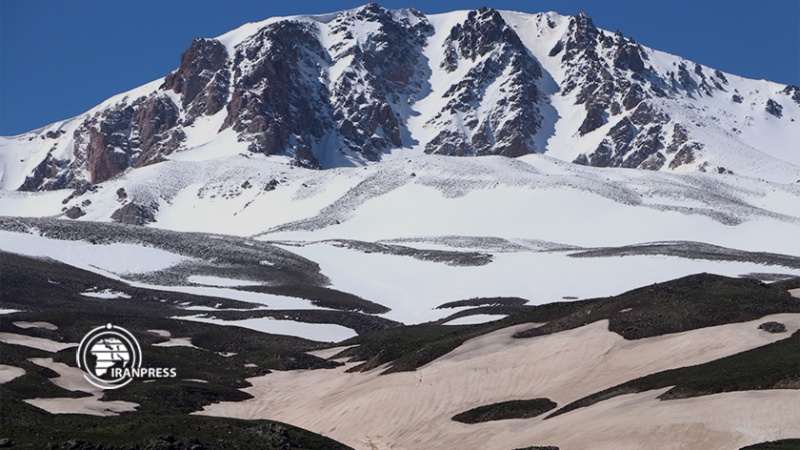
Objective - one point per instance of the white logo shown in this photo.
(112, 358)
(107, 355)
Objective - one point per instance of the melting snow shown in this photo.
(475, 319)
(313, 331)
(220, 282)
(106, 294)
(114, 258)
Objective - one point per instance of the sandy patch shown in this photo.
(413, 409)
(71, 378)
(795, 292)
(8, 373)
(45, 325)
(35, 342)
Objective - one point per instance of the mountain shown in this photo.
(477, 229)
(431, 149)
(369, 84)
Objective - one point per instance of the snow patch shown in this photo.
(220, 282)
(475, 319)
(114, 258)
(313, 331)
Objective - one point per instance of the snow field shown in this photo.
(322, 332)
(413, 288)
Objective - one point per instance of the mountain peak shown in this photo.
(355, 87)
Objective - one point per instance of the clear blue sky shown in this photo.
(58, 58)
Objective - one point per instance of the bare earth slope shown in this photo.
(414, 409)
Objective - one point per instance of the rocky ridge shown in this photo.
(610, 77)
(341, 90)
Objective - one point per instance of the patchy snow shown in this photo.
(329, 353)
(413, 288)
(269, 300)
(72, 379)
(475, 319)
(213, 184)
(532, 197)
(114, 258)
(107, 294)
(176, 342)
(31, 204)
(217, 308)
(220, 282)
(8, 373)
(25, 324)
(161, 333)
(321, 332)
(414, 409)
(35, 342)
(536, 197)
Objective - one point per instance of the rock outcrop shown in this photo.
(475, 121)
(202, 78)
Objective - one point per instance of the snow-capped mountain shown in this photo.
(498, 211)
(370, 84)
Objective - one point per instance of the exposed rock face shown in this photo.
(50, 174)
(111, 141)
(384, 74)
(679, 137)
(108, 150)
(793, 92)
(202, 78)
(153, 119)
(633, 96)
(74, 212)
(278, 104)
(634, 142)
(686, 155)
(126, 136)
(284, 101)
(774, 108)
(595, 118)
(135, 214)
(587, 73)
(628, 57)
(626, 87)
(139, 132)
(506, 127)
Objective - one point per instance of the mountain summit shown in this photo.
(358, 86)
